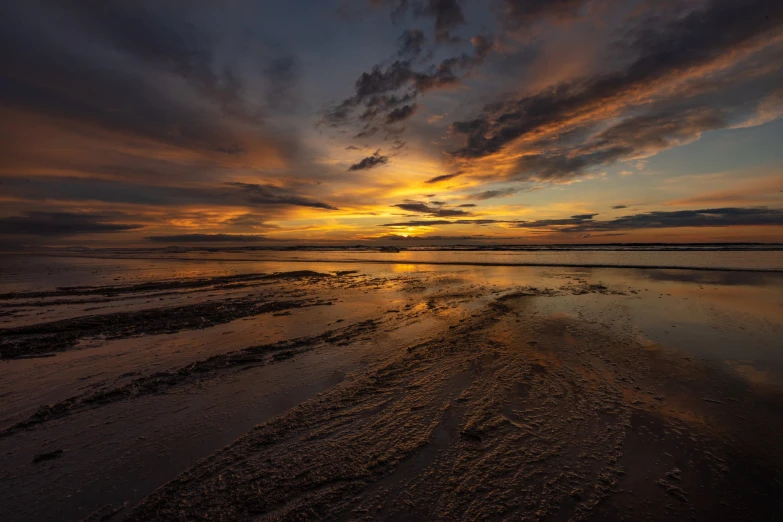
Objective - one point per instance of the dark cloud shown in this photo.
(573, 221)
(50, 188)
(166, 42)
(419, 223)
(116, 102)
(282, 75)
(448, 16)
(78, 82)
(423, 208)
(235, 150)
(370, 162)
(61, 224)
(619, 207)
(250, 220)
(490, 194)
(396, 237)
(660, 51)
(205, 238)
(401, 113)
(386, 87)
(635, 137)
(444, 177)
(367, 132)
(714, 217)
(523, 13)
(262, 195)
(371, 87)
(384, 94)
(467, 205)
(411, 44)
(445, 222)
(482, 45)
(352, 147)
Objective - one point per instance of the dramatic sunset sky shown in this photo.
(133, 123)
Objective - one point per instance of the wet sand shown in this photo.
(162, 390)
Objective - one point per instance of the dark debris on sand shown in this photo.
(161, 381)
(65, 334)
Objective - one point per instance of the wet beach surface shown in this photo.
(143, 389)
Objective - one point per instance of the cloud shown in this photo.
(61, 224)
(261, 195)
(434, 222)
(401, 113)
(524, 13)
(573, 221)
(383, 95)
(733, 191)
(482, 45)
(396, 237)
(660, 56)
(467, 205)
(249, 221)
(205, 238)
(490, 194)
(618, 207)
(448, 16)
(411, 43)
(423, 208)
(165, 42)
(386, 87)
(370, 162)
(419, 223)
(282, 75)
(444, 177)
(713, 217)
(134, 78)
(81, 189)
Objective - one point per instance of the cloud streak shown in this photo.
(61, 224)
(370, 162)
(444, 177)
(423, 208)
(491, 194)
(206, 238)
(262, 195)
(711, 217)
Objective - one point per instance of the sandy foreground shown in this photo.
(390, 392)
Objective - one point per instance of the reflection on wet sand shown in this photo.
(390, 391)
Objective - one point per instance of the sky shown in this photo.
(406, 122)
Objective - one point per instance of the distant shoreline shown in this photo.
(410, 262)
(501, 247)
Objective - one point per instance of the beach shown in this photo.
(235, 386)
